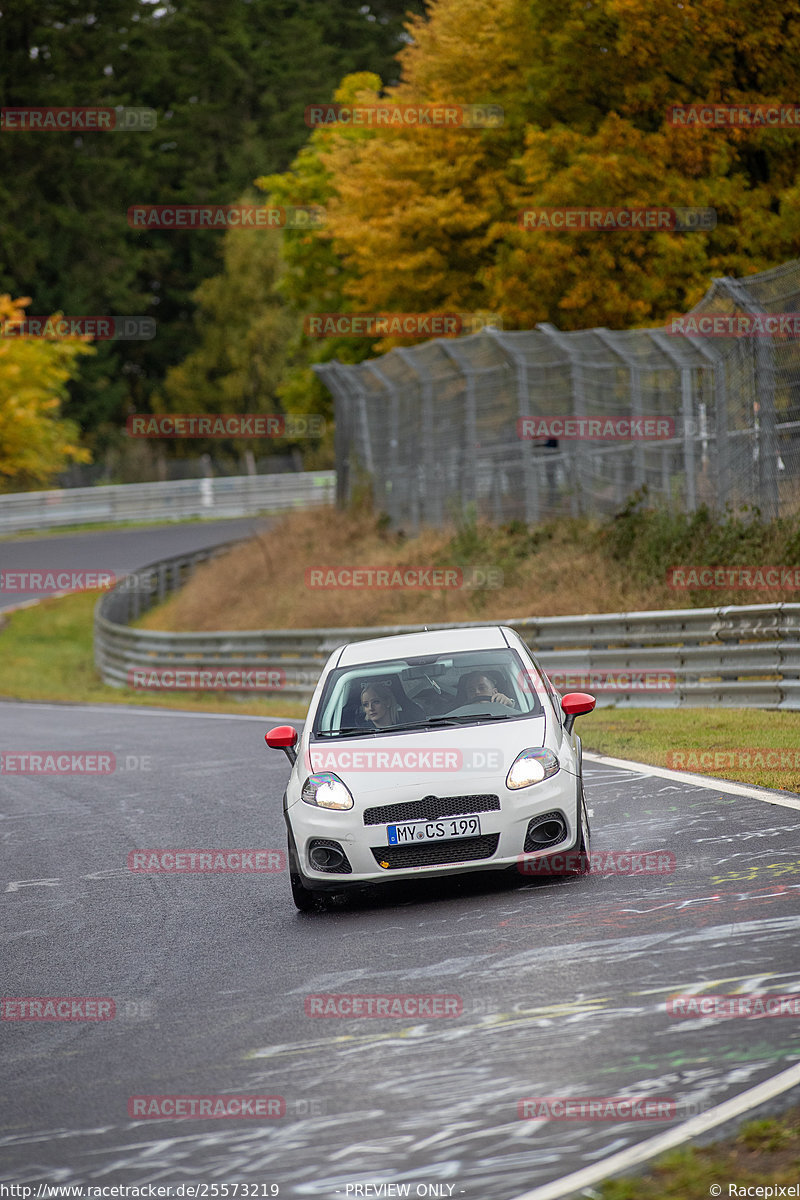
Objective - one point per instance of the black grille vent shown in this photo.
(343, 868)
(536, 823)
(432, 853)
(431, 808)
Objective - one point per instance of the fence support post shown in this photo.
(764, 418)
(530, 476)
(578, 409)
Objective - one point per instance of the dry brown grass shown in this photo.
(261, 585)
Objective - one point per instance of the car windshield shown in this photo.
(428, 692)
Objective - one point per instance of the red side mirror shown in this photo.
(283, 737)
(576, 704)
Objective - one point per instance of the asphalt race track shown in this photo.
(115, 550)
(563, 983)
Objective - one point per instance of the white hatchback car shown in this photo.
(427, 754)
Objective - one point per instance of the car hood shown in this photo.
(452, 759)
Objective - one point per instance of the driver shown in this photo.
(477, 686)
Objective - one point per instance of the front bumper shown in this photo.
(501, 839)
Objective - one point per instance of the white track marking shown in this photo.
(634, 1155)
(791, 800)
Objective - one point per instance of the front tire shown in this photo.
(306, 899)
(580, 855)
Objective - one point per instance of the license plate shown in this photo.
(432, 831)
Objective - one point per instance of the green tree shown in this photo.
(229, 83)
(243, 329)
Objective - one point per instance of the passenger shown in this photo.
(379, 705)
(477, 686)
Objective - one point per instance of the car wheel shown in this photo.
(579, 856)
(306, 899)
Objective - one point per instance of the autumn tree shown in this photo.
(35, 441)
(426, 219)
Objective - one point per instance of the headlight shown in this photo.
(326, 790)
(532, 766)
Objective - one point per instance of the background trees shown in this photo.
(417, 219)
(229, 83)
(35, 441)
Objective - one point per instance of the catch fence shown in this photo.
(449, 424)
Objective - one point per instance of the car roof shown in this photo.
(434, 641)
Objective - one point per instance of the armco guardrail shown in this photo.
(224, 496)
(747, 656)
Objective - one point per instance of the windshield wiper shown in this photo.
(466, 718)
(345, 730)
(433, 721)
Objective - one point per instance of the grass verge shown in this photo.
(47, 654)
(764, 1153)
(681, 739)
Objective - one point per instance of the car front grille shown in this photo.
(394, 858)
(430, 809)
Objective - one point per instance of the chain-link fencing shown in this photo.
(540, 423)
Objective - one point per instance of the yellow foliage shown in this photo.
(425, 219)
(35, 442)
